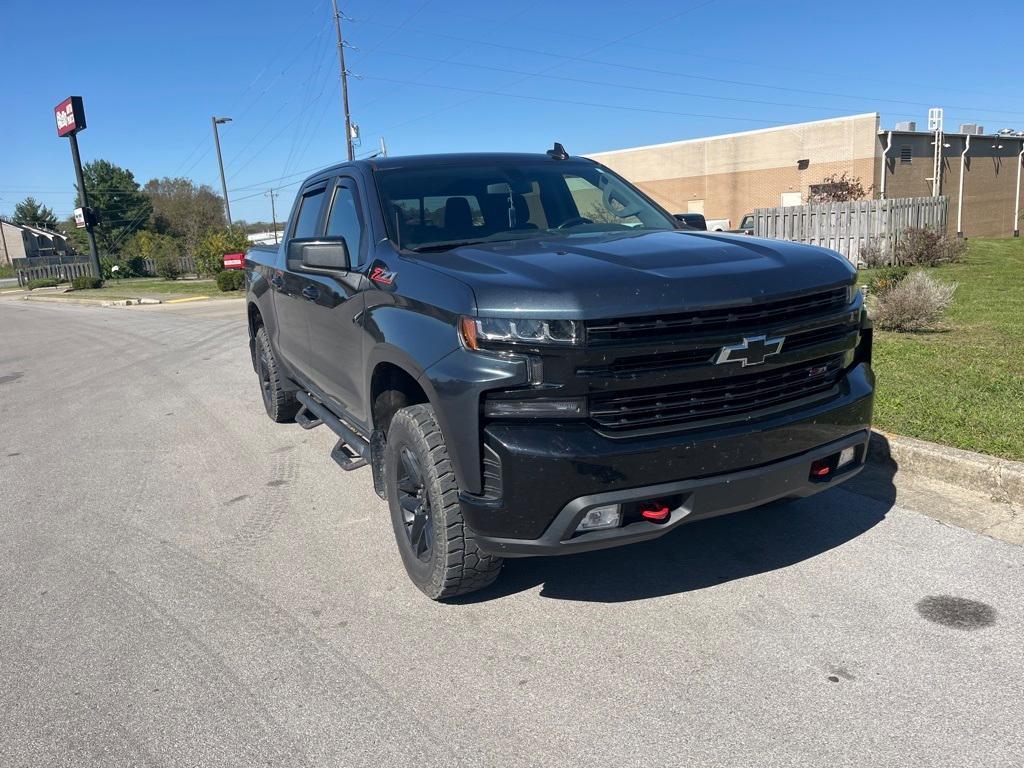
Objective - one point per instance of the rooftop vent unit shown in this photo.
(907, 126)
(972, 128)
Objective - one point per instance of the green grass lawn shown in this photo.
(963, 383)
(154, 287)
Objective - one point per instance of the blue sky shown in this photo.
(452, 75)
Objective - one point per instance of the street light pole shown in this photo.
(220, 161)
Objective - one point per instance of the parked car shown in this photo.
(692, 220)
(533, 359)
(746, 225)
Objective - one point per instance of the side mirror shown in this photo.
(319, 254)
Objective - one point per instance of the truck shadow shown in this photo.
(714, 551)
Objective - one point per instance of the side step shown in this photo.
(304, 420)
(351, 451)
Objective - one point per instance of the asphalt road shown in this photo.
(185, 583)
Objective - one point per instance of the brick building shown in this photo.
(726, 176)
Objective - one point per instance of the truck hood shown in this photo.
(618, 275)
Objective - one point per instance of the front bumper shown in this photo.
(552, 474)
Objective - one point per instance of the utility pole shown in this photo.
(383, 147)
(273, 212)
(220, 161)
(344, 82)
(935, 125)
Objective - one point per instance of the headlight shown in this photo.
(478, 332)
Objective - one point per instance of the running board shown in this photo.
(351, 451)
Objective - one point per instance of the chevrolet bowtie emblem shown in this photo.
(751, 351)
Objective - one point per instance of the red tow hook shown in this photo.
(657, 514)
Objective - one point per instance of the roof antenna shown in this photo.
(558, 152)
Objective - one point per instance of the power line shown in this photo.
(558, 100)
(671, 17)
(629, 86)
(653, 70)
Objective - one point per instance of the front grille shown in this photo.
(665, 327)
(632, 365)
(689, 404)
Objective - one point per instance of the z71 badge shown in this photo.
(382, 276)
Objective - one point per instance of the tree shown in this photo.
(33, 213)
(122, 206)
(78, 241)
(184, 210)
(209, 256)
(839, 189)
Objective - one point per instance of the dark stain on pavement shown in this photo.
(275, 483)
(956, 612)
(237, 499)
(8, 377)
(15, 453)
(840, 672)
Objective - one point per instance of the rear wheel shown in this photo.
(279, 402)
(438, 549)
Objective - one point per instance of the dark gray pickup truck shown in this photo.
(534, 359)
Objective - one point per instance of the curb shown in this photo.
(989, 475)
(92, 302)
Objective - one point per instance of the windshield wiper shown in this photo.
(446, 246)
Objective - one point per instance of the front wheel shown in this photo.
(438, 549)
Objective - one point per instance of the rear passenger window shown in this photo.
(307, 219)
(344, 221)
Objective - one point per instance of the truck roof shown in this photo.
(455, 158)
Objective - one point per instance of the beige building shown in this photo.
(725, 177)
(18, 241)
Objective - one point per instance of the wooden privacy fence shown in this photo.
(847, 227)
(185, 265)
(57, 267)
(65, 268)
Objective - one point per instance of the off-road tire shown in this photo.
(454, 565)
(279, 402)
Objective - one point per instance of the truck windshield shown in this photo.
(441, 207)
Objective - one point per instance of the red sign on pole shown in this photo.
(234, 261)
(70, 115)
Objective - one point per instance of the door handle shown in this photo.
(277, 281)
(310, 292)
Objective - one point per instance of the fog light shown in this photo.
(607, 516)
(846, 456)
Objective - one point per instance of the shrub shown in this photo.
(925, 247)
(135, 266)
(209, 254)
(107, 265)
(6, 270)
(873, 254)
(86, 282)
(916, 302)
(231, 280)
(43, 282)
(168, 266)
(885, 279)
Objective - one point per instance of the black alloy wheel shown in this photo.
(415, 503)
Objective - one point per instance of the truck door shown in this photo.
(292, 294)
(335, 333)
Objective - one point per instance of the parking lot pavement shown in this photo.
(183, 582)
